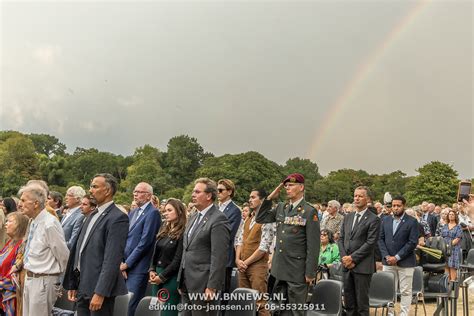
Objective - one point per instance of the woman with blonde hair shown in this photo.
(166, 257)
(15, 227)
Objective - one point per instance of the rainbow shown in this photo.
(363, 71)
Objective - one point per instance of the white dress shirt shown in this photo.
(47, 249)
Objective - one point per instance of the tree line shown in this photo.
(171, 172)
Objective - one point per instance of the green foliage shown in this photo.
(18, 163)
(184, 156)
(53, 170)
(248, 170)
(436, 183)
(332, 189)
(394, 182)
(146, 167)
(47, 145)
(176, 193)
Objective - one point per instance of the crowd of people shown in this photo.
(94, 250)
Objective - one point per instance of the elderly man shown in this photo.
(72, 220)
(145, 222)
(46, 253)
(333, 221)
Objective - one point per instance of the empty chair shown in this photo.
(469, 264)
(382, 293)
(248, 306)
(121, 304)
(327, 296)
(418, 288)
(146, 307)
(335, 272)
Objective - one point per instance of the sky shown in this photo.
(373, 85)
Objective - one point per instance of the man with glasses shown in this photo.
(72, 220)
(225, 193)
(145, 222)
(295, 261)
(205, 250)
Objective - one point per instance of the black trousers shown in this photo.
(356, 293)
(106, 310)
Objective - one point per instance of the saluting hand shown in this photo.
(275, 192)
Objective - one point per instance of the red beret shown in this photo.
(294, 178)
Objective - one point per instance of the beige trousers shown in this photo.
(39, 295)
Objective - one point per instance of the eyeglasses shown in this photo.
(221, 190)
(324, 234)
(139, 192)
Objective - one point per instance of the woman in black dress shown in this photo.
(166, 258)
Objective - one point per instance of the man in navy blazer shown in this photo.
(397, 243)
(145, 222)
(93, 277)
(225, 193)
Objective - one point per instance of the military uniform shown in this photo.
(297, 246)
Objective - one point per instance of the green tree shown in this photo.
(53, 170)
(184, 156)
(309, 170)
(394, 182)
(47, 144)
(437, 183)
(85, 163)
(146, 167)
(332, 189)
(18, 163)
(248, 170)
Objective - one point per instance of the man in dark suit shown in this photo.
(72, 220)
(429, 218)
(359, 237)
(93, 277)
(397, 243)
(205, 249)
(225, 193)
(145, 222)
(295, 260)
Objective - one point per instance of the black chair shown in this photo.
(418, 288)
(432, 264)
(469, 263)
(63, 303)
(327, 297)
(382, 292)
(146, 307)
(121, 304)
(248, 307)
(335, 272)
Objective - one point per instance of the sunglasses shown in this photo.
(221, 190)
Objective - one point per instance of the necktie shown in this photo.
(135, 216)
(196, 222)
(80, 239)
(356, 221)
(28, 241)
(291, 208)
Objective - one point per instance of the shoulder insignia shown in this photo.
(315, 218)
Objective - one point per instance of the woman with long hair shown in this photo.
(15, 227)
(166, 258)
(452, 234)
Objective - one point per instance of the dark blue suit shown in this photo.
(234, 215)
(402, 243)
(138, 252)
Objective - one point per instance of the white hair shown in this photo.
(76, 191)
(334, 203)
(36, 192)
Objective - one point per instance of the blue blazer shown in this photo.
(234, 215)
(72, 226)
(141, 239)
(402, 243)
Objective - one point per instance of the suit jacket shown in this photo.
(141, 238)
(298, 240)
(402, 243)
(234, 215)
(101, 257)
(361, 242)
(71, 226)
(205, 252)
(433, 223)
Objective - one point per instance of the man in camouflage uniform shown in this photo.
(296, 255)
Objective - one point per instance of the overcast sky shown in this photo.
(373, 85)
